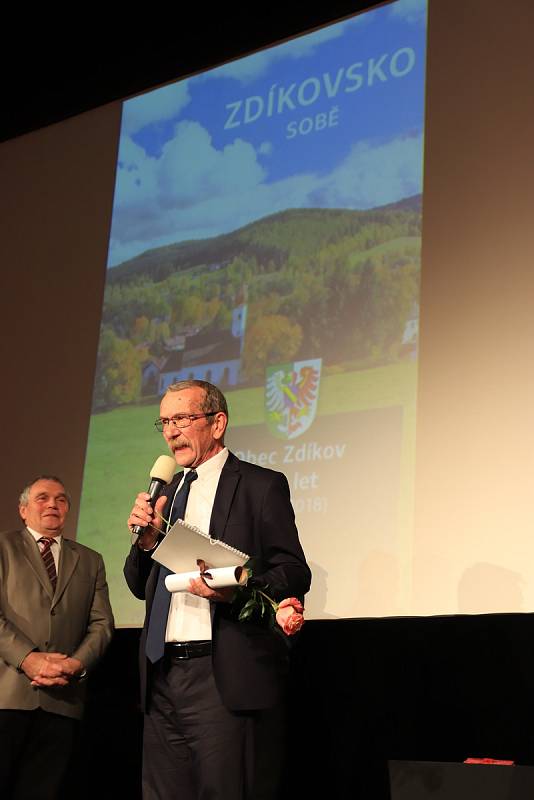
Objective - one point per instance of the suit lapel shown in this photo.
(230, 477)
(30, 552)
(68, 559)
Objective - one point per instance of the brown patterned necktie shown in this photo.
(46, 554)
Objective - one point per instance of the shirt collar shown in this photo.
(38, 536)
(211, 466)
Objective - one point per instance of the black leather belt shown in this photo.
(181, 650)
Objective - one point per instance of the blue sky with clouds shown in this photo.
(333, 119)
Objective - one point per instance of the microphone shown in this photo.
(160, 475)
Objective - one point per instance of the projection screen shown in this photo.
(266, 237)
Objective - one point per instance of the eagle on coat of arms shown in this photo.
(291, 394)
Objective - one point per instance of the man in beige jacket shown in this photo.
(55, 623)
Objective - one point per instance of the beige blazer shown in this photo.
(75, 619)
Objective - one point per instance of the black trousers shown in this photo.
(35, 751)
(196, 749)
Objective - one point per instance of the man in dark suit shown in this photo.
(213, 687)
(55, 623)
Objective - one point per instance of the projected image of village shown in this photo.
(265, 237)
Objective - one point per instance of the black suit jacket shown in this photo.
(251, 511)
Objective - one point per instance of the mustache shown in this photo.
(179, 445)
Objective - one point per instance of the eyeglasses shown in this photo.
(180, 420)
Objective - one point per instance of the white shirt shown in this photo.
(189, 615)
(55, 545)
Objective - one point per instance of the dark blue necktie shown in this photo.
(157, 624)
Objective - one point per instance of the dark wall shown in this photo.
(55, 206)
(361, 692)
(60, 72)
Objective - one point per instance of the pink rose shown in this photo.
(290, 615)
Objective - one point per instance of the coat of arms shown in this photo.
(291, 393)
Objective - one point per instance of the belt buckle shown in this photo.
(181, 651)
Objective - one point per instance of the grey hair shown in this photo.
(214, 400)
(25, 494)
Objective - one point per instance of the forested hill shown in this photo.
(338, 285)
(300, 232)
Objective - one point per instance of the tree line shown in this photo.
(335, 284)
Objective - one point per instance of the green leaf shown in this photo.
(245, 614)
